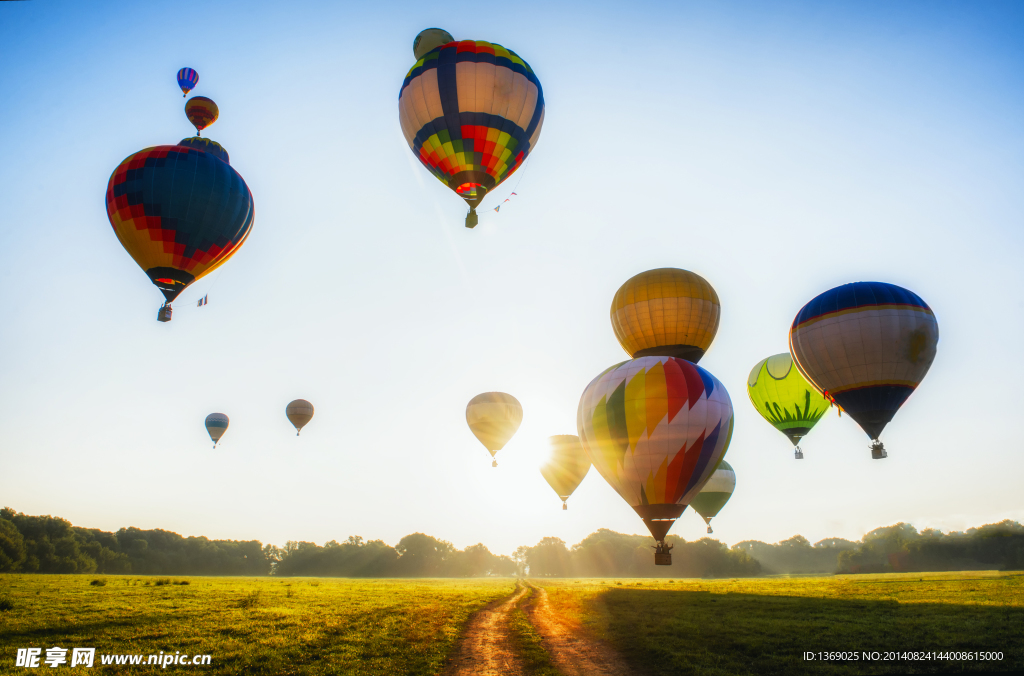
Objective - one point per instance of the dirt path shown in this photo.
(485, 648)
(571, 652)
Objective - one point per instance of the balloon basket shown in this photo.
(564, 506)
(164, 314)
(798, 454)
(472, 219)
(663, 559)
(494, 463)
(709, 529)
(878, 450)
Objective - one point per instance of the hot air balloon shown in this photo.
(180, 211)
(867, 345)
(494, 417)
(566, 466)
(187, 80)
(715, 494)
(655, 428)
(668, 312)
(471, 112)
(299, 412)
(216, 425)
(201, 112)
(785, 399)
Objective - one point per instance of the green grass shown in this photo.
(248, 625)
(527, 642)
(764, 625)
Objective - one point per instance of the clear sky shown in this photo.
(778, 149)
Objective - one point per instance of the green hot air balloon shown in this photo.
(716, 493)
(785, 399)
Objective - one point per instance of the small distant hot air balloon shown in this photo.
(785, 399)
(656, 426)
(868, 345)
(567, 465)
(494, 417)
(715, 494)
(471, 112)
(180, 212)
(187, 80)
(201, 112)
(216, 425)
(668, 311)
(299, 412)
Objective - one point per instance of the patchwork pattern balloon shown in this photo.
(216, 426)
(299, 413)
(187, 80)
(567, 465)
(201, 112)
(667, 311)
(180, 212)
(785, 398)
(868, 345)
(715, 494)
(471, 111)
(655, 428)
(494, 417)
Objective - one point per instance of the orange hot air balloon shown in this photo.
(201, 112)
(567, 465)
(666, 312)
(494, 417)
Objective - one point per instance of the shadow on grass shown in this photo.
(683, 632)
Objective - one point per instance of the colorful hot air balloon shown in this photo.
(566, 466)
(180, 212)
(868, 345)
(216, 425)
(299, 412)
(201, 112)
(785, 399)
(471, 112)
(494, 417)
(715, 494)
(668, 312)
(187, 80)
(655, 428)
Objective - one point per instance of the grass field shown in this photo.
(764, 625)
(248, 625)
(343, 626)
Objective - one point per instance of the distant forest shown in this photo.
(47, 544)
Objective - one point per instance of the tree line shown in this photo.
(48, 544)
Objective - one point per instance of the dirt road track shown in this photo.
(485, 648)
(571, 651)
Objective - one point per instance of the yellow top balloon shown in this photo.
(494, 417)
(666, 312)
(566, 466)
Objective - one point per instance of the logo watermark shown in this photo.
(34, 658)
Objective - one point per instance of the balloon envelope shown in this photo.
(868, 345)
(655, 428)
(187, 80)
(567, 464)
(430, 39)
(471, 112)
(299, 412)
(667, 312)
(216, 425)
(201, 112)
(784, 397)
(179, 212)
(494, 417)
(715, 493)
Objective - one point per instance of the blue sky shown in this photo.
(778, 149)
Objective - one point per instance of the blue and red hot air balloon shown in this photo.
(187, 80)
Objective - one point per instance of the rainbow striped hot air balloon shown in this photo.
(187, 80)
(201, 112)
(868, 345)
(471, 111)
